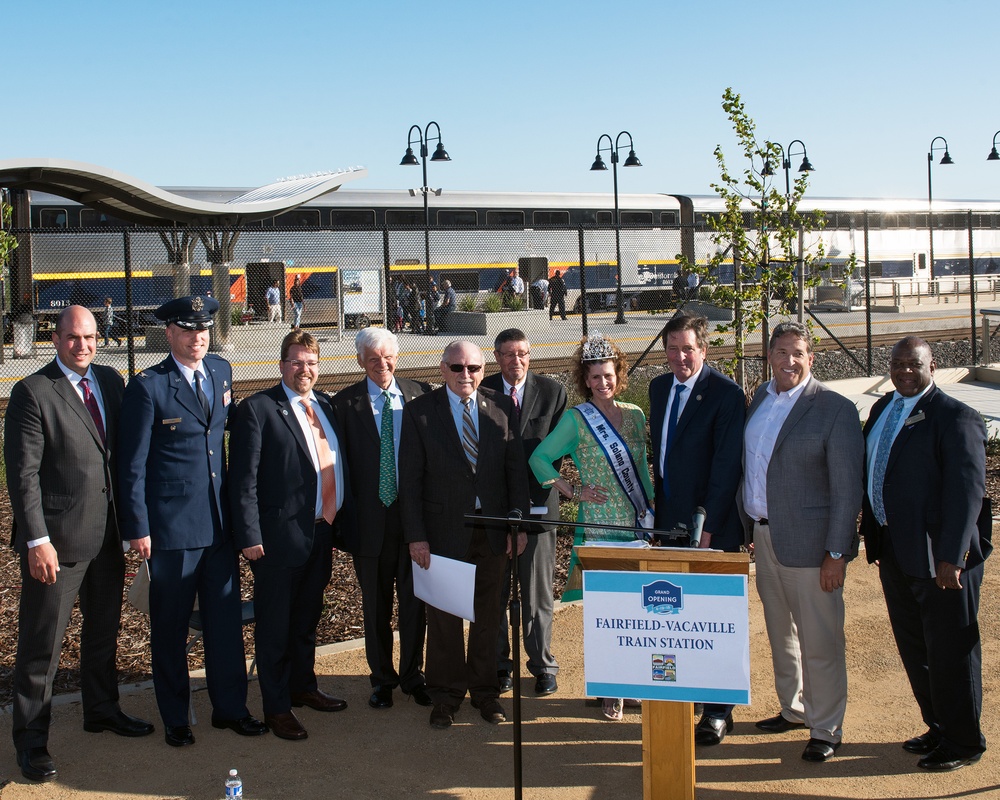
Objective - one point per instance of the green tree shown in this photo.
(762, 230)
(7, 240)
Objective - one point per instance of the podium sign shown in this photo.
(682, 637)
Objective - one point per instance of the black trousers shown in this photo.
(380, 577)
(44, 613)
(937, 634)
(288, 602)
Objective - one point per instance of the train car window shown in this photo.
(352, 216)
(52, 218)
(637, 217)
(950, 221)
(299, 218)
(668, 217)
(605, 218)
(582, 216)
(505, 219)
(462, 282)
(404, 217)
(457, 217)
(89, 218)
(550, 217)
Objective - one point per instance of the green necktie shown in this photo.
(387, 456)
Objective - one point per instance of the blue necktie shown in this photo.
(882, 458)
(671, 430)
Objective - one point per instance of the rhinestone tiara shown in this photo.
(597, 348)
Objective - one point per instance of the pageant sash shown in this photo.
(620, 460)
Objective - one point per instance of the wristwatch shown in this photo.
(835, 556)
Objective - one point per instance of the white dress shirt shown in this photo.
(331, 438)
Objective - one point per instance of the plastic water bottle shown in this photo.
(234, 786)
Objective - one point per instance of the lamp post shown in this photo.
(599, 165)
(945, 159)
(805, 166)
(994, 155)
(410, 160)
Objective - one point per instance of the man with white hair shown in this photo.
(370, 413)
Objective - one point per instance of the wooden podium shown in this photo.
(667, 727)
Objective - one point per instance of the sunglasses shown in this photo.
(472, 368)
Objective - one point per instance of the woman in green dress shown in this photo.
(607, 441)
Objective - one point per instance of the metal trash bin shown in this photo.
(24, 336)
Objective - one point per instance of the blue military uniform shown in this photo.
(172, 472)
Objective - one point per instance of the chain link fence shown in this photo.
(625, 286)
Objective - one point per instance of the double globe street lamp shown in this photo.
(599, 165)
(945, 159)
(410, 160)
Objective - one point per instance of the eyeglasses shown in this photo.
(519, 354)
(296, 364)
(472, 368)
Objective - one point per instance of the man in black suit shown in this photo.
(459, 454)
(538, 403)
(367, 411)
(927, 527)
(290, 495)
(59, 447)
(696, 460)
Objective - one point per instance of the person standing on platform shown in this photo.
(296, 296)
(290, 498)
(799, 498)
(273, 299)
(109, 324)
(60, 438)
(557, 296)
(460, 454)
(449, 302)
(696, 419)
(370, 414)
(538, 403)
(172, 471)
(928, 528)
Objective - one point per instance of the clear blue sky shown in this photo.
(213, 92)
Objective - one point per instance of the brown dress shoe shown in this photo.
(318, 701)
(286, 726)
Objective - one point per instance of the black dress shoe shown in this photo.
(711, 730)
(36, 764)
(120, 723)
(923, 744)
(944, 759)
(490, 710)
(179, 736)
(779, 724)
(247, 726)
(442, 716)
(819, 750)
(546, 684)
(318, 701)
(419, 695)
(505, 680)
(381, 697)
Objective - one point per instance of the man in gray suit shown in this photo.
(59, 444)
(800, 497)
(538, 403)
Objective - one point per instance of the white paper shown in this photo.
(448, 585)
(631, 543)
(539, 511)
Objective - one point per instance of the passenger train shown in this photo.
(347, 244)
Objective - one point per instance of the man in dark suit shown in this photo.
(538, 403)
(696, 427)
(59, 448)
(367, 411)
(290, 496)
(924, 524)
(459, 454)
(799, 498)
(172, 468)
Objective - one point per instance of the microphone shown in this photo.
(514, 515)
(697, 523)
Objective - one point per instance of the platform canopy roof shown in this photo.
(135, 201)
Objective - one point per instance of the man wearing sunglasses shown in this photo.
(460, 454)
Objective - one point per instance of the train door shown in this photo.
(260, 275)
